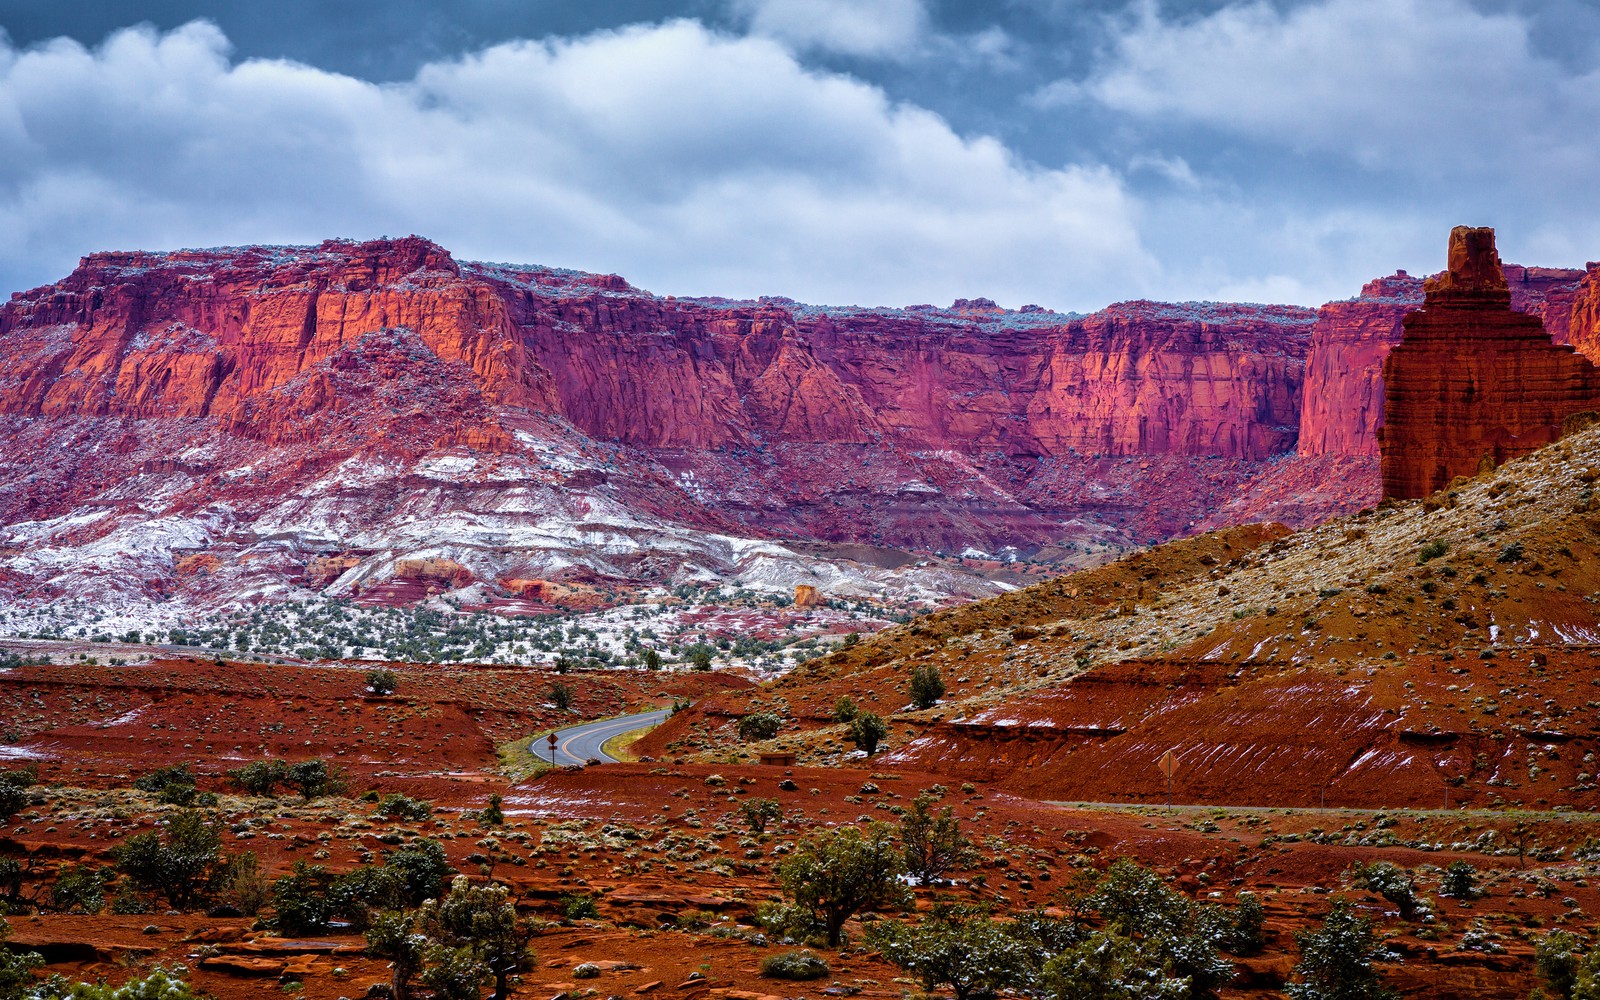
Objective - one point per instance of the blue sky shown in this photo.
(1066, 152)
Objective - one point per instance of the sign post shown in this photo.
(552, 738)
(1168, 763)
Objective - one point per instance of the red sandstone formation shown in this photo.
(1473, 382)
(806, 596)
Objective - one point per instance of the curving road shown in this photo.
(581, 743)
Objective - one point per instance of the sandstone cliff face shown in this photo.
(1473, 381)
(1344, 371)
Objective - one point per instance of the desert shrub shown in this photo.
(1172, 931)
(1246, 933)
(13, 799)
(586, 970)
(453, 973)
(300, 900)
(701, 659)
(788, 922)
(844, 871)
(382, 681)
(1510, 554)
(173, 785)
(492, 814)
(361, 893)
(183, 865)
(934, 843)
(759, 726)
(395, 936)
(1336, 960)
(398, 806)
(845, 710)
(420, 869)
(578, 906)
(1109, 967)
(80, 889)
(313, 778)
(244, 886)
(1432, 549)
(867, 731)
(483, 920)
(759, 812)
(1560, 963)
(1390, 881)
(927, 686)
(16, 967)
(10, 886)
(972, 954)
(561, 696)
(260, 777)
(161, 983)
(1460, 881)
(800, 966)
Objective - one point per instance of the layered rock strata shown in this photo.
(1472, 382)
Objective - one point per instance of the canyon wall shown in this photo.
(1474, 382)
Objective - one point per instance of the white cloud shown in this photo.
(1434, 87)
(879, 28)
(690, 161)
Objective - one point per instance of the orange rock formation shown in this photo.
(1473, 381)
(806, 596)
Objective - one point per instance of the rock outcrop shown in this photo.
(1472, 382)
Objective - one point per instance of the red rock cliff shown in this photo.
(1472, 380)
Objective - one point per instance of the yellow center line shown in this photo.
(621, 725)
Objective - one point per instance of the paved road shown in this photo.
(580, 744)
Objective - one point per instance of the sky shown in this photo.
(1069, 153)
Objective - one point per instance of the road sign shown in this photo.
(552, 738)
(1168, 764)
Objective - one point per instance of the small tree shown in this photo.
(313, 778)
(841, 872)
(382, 681)
(492, 814)
(759, 726)
(1109, 967)
(1336, 960)
(16, 967)
(80, 889)
(934, 843)
(13, 799)
(759, 812)
(971, 954)
(1570, 974)
(561, 696)
(927, 686)
(183, 866)
(1390, 881)
(482, 919)
(701, 659)
(844, 710)
(454, 973)
(867, 731)
(652, 660)
(395, 936)
(1460, 881)
(260, 777)
(422, 869)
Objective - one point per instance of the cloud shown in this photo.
(891, 29)
(1431, 87)
(689, 160)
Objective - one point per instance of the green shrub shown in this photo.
(578, 906)
(561, 696)
(934, 843)
(1247, 933)
(454, 973)
(260, 777)
(927, 686)
(398, 806)
(759, 726)
(183, 865)
(844, 871)
(1432, 550)
(868, 731)
(1336, 960)
(845, 710)
(1460, 881)
(974, 955)
(173, 785)
(800, 966)
(587, 970)
(382, 681)
(759, 812)
(1392, 882)
(13, 799)
(420, 869)
(80, 889)
(16, 967)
